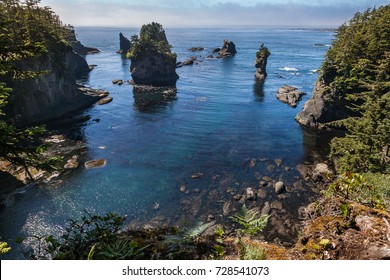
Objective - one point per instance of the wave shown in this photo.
(289, 69)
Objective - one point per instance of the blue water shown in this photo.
(219, 120)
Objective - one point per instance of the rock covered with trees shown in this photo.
(261, 63)
(152, 62)
(353, 93)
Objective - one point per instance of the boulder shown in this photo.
(290, 95)
(228, 49)
(250, 194)
(280, 187)
(72, 163)
(261, 63)
(152, 62)
(124, 44)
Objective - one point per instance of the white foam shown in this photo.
(289, 69)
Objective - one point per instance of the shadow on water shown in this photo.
(150, 99)
(258, 90)
(317, 143)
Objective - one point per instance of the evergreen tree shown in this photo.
(357, 69)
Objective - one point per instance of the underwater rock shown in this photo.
(279, 187)
(104, 101)
(95, 163)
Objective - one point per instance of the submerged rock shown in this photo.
(261, 63)
(152, 62)
(196, 49)
(289, 95)
(104, 100)
(95, 163)
(280, 187)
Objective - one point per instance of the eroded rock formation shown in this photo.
(261, 63)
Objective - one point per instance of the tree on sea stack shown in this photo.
(152, 62)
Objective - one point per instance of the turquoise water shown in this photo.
(219, 121)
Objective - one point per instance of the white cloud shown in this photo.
(200, 13)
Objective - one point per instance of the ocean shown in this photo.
(182, 160)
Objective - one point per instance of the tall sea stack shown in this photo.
(261, 63)
(152, 62)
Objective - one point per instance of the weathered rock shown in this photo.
(322, 172)
(72, 163)
(266, 208)
(228, 49)
(104, 100)
(250, 194)
(261, 63)
(83, 50)
(216, 50)
(227, 208)
(189, 61)
(278, 205)
(95, 163)
(149, 96)
(117, 82)
(196, 49)
(152, 62)
(279, 187)
(124, 44)
(290, 95)
(183, 188)
(320, 110)
(262, 193)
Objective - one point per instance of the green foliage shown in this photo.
(356, 71)
(26, 32)
(354, 187)
(252, 221)
(4, 248)
(252, 252)
(152, 40)
(263, 52)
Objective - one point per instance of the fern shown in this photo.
(251, 252)
(4, 248)
(251, 220)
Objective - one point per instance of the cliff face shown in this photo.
(54, 93)
(154, 69)
(320, 109)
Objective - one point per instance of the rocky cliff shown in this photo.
(53, 93)
(321, 108)
(228, 49)
(152, 62)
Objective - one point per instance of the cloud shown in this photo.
(198, 13)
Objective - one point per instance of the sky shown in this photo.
(212, 13)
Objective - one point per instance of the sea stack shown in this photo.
(124, 44)
(261, 63)
(228, 49)
(152, 62)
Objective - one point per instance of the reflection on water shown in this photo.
(258, 90)
(147, 97)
